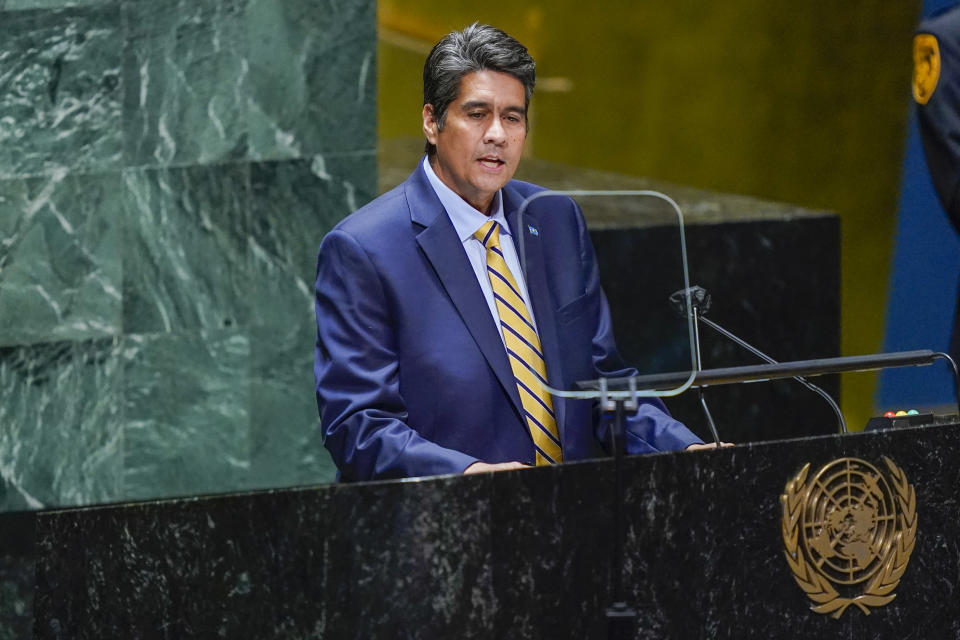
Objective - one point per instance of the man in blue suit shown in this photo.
(430, 338)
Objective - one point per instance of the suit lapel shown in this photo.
(538, 289)
(443, 249)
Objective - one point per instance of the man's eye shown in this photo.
(476, 115)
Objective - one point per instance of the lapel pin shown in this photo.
(533, 230)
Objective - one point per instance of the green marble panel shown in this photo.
(294, 203)
(59, 258)
(61, 429)
(286, 449)
(156, 305)
(312, 77)
(16, 5)
(60, 103)
(187, 422)
(185, 253)
(185, 75)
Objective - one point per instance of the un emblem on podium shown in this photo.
(848, 533)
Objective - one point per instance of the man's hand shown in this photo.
(485, 467)
(712, 445)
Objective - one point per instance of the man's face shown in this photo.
(483, 136)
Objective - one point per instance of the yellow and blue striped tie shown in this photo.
(523, 349)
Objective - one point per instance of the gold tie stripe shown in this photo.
(523, 349)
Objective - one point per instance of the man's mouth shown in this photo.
(491, 162)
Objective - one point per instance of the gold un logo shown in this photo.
(848, 533)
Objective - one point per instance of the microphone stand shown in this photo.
(760, 354)
(621, 617)
(696, 315)
(695, 301)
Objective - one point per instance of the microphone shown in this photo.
(700, 300)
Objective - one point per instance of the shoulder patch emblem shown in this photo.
(926, 66)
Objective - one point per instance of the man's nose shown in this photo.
(495, 132)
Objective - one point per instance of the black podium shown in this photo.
(523, 554)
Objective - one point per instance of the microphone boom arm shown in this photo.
(760, 354)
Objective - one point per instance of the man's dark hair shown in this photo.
(479, 47)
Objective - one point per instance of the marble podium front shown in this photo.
(522, 554)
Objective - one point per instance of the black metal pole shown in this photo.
(703, 400)
(621, 618)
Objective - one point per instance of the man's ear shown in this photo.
(430, 127)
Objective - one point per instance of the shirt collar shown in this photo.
(466, 220)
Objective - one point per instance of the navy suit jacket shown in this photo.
(412, 376)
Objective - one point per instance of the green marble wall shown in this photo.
(167, 170)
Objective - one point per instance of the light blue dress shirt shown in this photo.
(467, 220)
